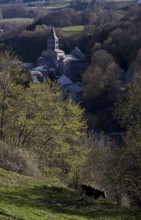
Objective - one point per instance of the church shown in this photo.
(58, 63)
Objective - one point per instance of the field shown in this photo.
(51, 4)
(18, 21)
(25, 198)
(72, 30)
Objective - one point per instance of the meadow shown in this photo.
(77, 28)
(16, 21)
(26, 198)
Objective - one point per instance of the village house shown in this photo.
(73, 90)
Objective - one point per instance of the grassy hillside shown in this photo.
(77, 28)
(19, 21)
(25, 198)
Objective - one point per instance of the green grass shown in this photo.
(25, 198)
(53, 5)
(16, 20)
(78, 28)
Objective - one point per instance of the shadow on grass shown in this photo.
(6, 216)
(63, 200)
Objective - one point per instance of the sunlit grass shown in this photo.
(25, 198)
(16, 20)
(78, 28)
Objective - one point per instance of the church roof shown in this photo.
(77, 53)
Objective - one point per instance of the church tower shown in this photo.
(53, 54)
(52, 41)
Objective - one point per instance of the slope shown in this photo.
(25, 198)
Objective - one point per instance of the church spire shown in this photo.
(52, 41)
(53, 33)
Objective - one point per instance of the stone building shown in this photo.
(72, 65)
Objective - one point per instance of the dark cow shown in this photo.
(99, 193)
(90, 191)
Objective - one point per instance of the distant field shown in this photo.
(17, 20)
(57, 6)
(52, 4)
(74, 28)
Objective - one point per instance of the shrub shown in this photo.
(18, 160)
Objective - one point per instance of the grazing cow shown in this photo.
(99, 193)
(90, 191)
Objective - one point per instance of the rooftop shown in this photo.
(64, 80)
(75, 88)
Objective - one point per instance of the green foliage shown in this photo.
(132, 172)
(101, 83)
(102, 71)
(11, 88)
(67, 17)
(36, 118)
(54, 127)
(128, 111)
(18, 160)
(103, 167)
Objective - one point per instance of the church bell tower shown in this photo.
(52, 41)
